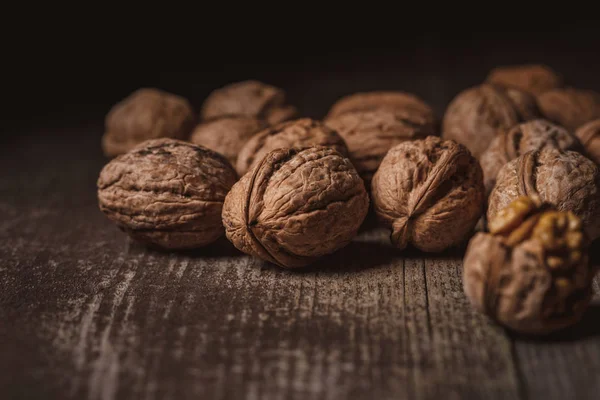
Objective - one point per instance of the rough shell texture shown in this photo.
(227, 135)
(589, 135)
(304, 132)
(395, 100)
(475, 115)
(531, 78)
(146, 114)
(370, 134)
(533, 275)
(566, 179)
(525, 137)
(570, 107)
(249, 98)
(167, 193)
(429, 192)
(296, 206)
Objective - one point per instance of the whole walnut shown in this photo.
(248, 98)
(429, 192)
(530, 272)
(227, 135)
(167, 193)
(476, 114)
(295, 206)
(522, 138)
(303, 132)
(370, 134)
(531, 78)
(145, 114)
(567, 179)
(589, 135)
(570, 107)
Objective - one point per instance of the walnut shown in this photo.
(531, 78)
(295, 206)
(475, 115)
(303, 132)
(570, 107)
(530, 272)
(370, 134)
(567, 179)
(146, 114)
(589, 135)
(429, 192)
(167, 193)
(227, 135)
(249, 98)
(525, 137)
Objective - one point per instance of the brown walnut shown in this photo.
(525, 137)
(167, 193)
(530, 272)
(589, 135)
(227, 135)
(429, 192)
(531, 78)
(295, 206)
(146, 114)
(248, 98)
(476, 114)
(567, 179)
(570, 107)
(304, 132)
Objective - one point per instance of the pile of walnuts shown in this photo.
(509, 172)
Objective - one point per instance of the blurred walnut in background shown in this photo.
(534, 79)
(570, 107)
(589, 135)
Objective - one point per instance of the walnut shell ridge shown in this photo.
(476, 114)
(522, 138)
(531, 78)
(566, 179)
(570, 107)
(303, 132)
(589, 135)
(429, 192)
(146, 114)
(167, 193)
(295, 206)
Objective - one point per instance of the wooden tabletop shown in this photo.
(86, 314)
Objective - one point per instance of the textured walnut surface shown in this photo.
(429, 192)
(476, 114)
(531, 78)
(525, 137)
(589, 135)
(370, 134)
(570, 107)
(531, 272)
(146, 114)
(302, 132)
(249, 98)
(296, 205)
(227, 135)
(167, 193)
(566, 179)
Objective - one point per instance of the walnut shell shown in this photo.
(567, 179)
(227, 135)
(589, 135)
(531, 273)
(167, 193)
(429, 192)
(570, 107)
(146, 114)
(531, 78)
(295, 206)
(475, 115)
(304, 132)
(525, 137)
(248, 98)
(370, 134)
